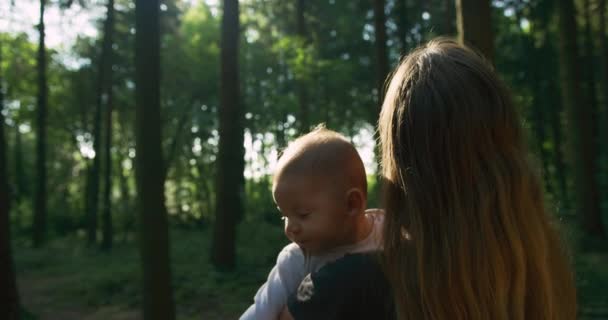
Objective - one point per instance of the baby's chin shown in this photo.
(306, 247)
(303, 246)
(310, 249)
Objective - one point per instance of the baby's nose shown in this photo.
(291, 228)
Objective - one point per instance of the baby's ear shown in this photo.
(355, 201)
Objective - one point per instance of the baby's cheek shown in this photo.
(285, 229)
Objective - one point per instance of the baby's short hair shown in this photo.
(324, 153)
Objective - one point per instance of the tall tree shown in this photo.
(547, 67)
(382, 68)
(603, 118)
(581, 142)
(401, 18)
(475, 25)
(591, 95)
(229, 167)
(107, 233)
(558, 133)
(554, 116)
(302, 85)
(589, 70)
(538, 104)
(448, 18)
(9, 308)
(103, 74)
(40, 210)
(92, 204)
(381, 52)
(21, 185)
(93, 180)
(154, 233)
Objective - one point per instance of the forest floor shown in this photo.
(592, 285)
(68, 281)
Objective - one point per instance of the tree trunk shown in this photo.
(154, 233)
(9, 308)
(557, 131)
(603, 117)
(381, 53)
(448, 19)
(593, 120)
(175, 142)
(108, 233)
(93, 183)
(40, 210)
(123, 177)
(21, 183)
(302, 83)
(88, 221)
(382, 70)
(177, 188)
(102, 97)
(475, 25)
(205, 194)
(402, 25)
(108, 230)
(591, 84)
(539, 101)
(125, 197)
(229, 167)
(538, 106)
(581, 146)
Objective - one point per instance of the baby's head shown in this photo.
(320, 187)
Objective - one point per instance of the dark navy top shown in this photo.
(353, 287)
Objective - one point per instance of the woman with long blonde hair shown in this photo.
(466, 234)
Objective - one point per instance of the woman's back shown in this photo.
(467, 233)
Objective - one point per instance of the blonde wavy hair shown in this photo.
(467, 235)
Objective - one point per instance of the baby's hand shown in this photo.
(285, 315)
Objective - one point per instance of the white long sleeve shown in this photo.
(282, 281)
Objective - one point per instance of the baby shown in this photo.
(320, 188)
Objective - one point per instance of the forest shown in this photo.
(138, 138)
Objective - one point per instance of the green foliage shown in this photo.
(19, 73)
